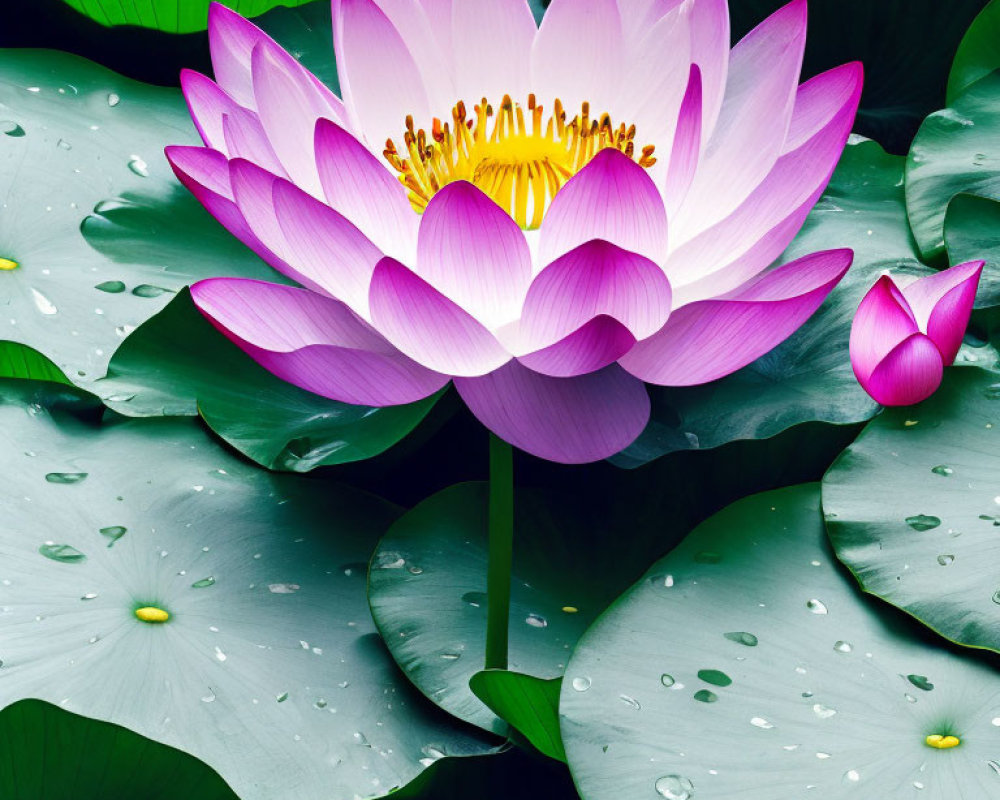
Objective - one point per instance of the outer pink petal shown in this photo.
(909, 373)
(472, 251)
(577, 55)
(207, 104)
(822, 98)
(883, 320)
(599, 342)
(568, 420)
(380, 81)
(942, 304)
(712, 338)
(612, 198)
(492, 41)
(740, 246)
(686, 148)
(597, 278)
(313, 342)
(361, 188)
(428, 327)
(753, 123)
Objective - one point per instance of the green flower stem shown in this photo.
(501, 522)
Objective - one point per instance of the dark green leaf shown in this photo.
(913, 508)
(21, 361)
(528, 703)
(172, 16)
(977, 54)
(830, 691)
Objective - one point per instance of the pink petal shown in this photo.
(577, 55)
(428, 327)
(883, 320)
(686, 145)
(736, 249)
(710, 52)
(597, 278)
(568, 420)
(207, 104)
(942, 303)
(313, 342)
(472, 251)
(612, 198)
(706, 340)
(599, 342)
(492, 41)
(822, 98)
(909, 373)
(245, 138)
(361, 188)
(747, 140)
(379, 79)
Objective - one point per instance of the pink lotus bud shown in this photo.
(904, 336)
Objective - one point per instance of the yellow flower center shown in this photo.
(152, 614)
(939, 742)
(7, 264)
(520, 164)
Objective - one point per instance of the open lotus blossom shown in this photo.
(905, 334)
(546, 216)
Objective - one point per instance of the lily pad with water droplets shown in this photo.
(820, 703)
(808, 378)
(913, 508)
(268, 668)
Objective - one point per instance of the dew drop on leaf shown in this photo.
(63, 553)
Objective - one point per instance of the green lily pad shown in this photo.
(972, 232)
(808, 378)
(42, 758)
(268, 669)
(19, 361)
(977, 54)
(913, 508)
(427, 590)
(528, 703)
(955, 151)
(171, 16)
(82, 161)
(179, 364)
(830, 695)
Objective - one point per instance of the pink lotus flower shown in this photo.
(903, 336)
(604, 217)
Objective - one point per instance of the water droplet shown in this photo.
(631, 702)
(996, 722)
(667, 680)
(320, 703)
(208, 698)
(138, 166)
(283, 588)
(674, 787)
(475, 599)
(65, 477)
(11, 128)
(852, 776)
(203, 583)
(708, 557)
(843, 647)
(113, 99)
(89, 596)
(451, 656)
(219, 655)
(943, 469)
(822, 756)
(536, 621)
(113, 533)
(62, 144)
(760, 722)
(715, 677)
(742, 637)
(581, 684)
(389, 560)
(705, 696)
(921, 682)
(923, 522)
(996, 597)
(42, 303)
(817, 606)
(64, 553)
(993, 765)
(281, 698)
(111, 287)
(824, 712)
(945, 559)
(147, 290)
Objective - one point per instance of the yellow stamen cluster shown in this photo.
(520, 165)
(939, 742)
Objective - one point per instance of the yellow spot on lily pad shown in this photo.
(152, 614)
(570, 609)
(939, 742)
(7, 264)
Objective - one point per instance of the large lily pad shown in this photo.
(427, 589)
(746, 664)
(42, 758)
(977, 54)
(178, 364)
(269, 669)
(808, 378)
(913, 508)
(172, 16)
(81, 157)
(956, 150)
